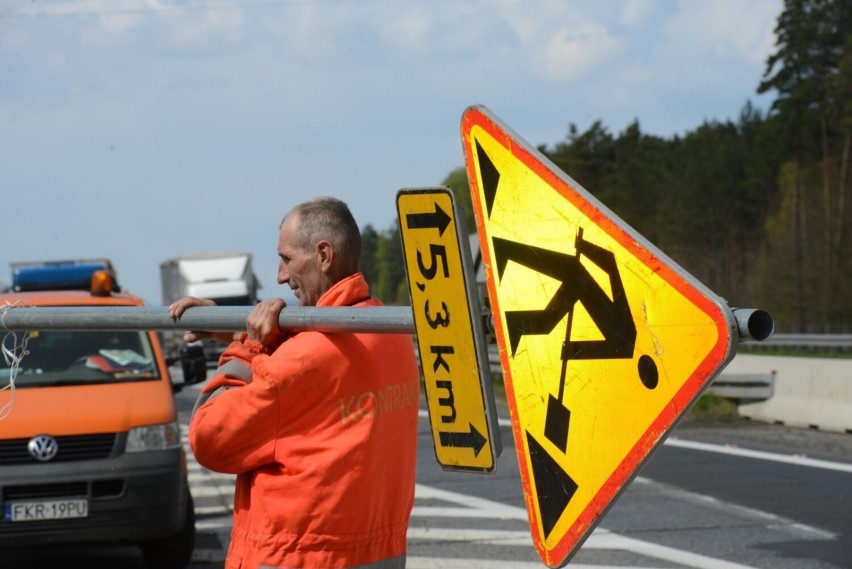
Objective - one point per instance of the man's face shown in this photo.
(299, 268)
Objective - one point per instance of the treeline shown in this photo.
(757, 209)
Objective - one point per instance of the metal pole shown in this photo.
(375, 319)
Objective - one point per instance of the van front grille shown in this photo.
(74, 447)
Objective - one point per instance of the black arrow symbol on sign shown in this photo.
(472, 439)
(437, 220)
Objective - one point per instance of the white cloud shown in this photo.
(557, 40)
(208, 119)
(723, 29)
(207, 26)
(411, 30)
(569, 54)
(637, 12)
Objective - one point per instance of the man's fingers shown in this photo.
(178, 307)
(262, 322)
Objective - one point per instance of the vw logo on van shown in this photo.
(43, 447)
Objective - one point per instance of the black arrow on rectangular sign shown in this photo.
(437, 220)
(471, 439)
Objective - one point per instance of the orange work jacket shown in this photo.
(322, 435)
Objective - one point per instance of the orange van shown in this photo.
(90, 444)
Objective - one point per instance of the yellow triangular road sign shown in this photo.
(604, 341)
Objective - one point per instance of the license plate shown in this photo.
(45, 510)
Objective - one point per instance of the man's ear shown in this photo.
(325, 254)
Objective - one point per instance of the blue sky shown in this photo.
(141, 130)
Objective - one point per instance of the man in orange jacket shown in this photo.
(320, 428)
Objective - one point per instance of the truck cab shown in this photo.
(90, 443)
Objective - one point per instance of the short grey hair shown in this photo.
(329, 219)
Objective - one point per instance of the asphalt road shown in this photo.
(727, 494)
(705, 499)
(802, 485)
(730, 494)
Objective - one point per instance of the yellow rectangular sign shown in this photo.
(450, 338)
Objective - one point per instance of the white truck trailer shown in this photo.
(226, 278)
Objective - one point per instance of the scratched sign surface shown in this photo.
(604, 341)
(450, 338)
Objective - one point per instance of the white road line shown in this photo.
(222, 524)
(480, 536)
(211, 491)
(202, 476)
(447, 563)
(609, 540)
(214, 510)
(677, 442)
(600, 538)
(486, 508)
(474, 507)
(769, 519)
(760, 455)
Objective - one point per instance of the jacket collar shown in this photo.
(346, 292)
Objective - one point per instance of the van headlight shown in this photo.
(153, 437)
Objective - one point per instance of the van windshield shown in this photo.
(76, 357)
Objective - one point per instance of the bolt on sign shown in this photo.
(448, 323)
(604, 341)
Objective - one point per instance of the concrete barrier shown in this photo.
(808, 392)
(744, 387)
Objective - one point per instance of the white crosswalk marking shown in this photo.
(213, 494)
(214, 497)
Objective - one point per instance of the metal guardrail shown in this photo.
(804, 341)
(811, 341)
(745, 387)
